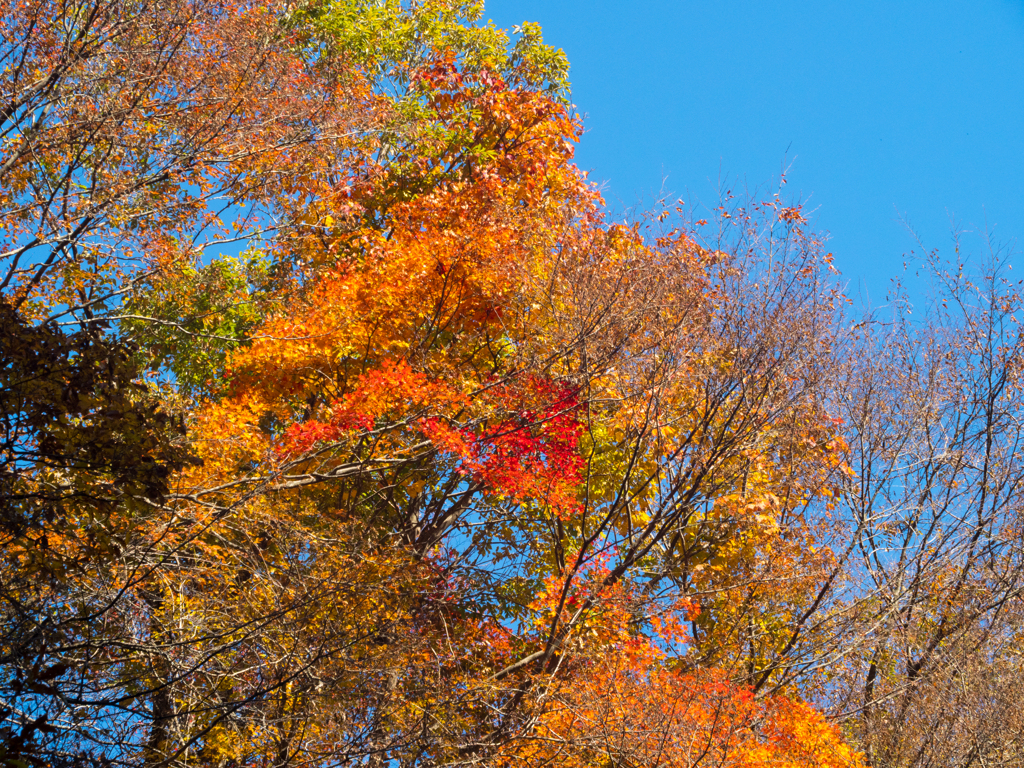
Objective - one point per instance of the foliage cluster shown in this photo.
(343, 426)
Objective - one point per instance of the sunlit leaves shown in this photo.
(480, 477)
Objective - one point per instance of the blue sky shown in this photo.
(881, 110)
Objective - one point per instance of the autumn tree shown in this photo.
(127, 129)
(343, 426)
(932, 617)
(500, 418)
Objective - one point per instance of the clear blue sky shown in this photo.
(882, 109)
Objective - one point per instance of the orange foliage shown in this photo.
(481, 454)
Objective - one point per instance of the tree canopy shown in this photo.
(343, 425)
